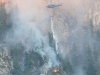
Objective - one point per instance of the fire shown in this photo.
(55, 71)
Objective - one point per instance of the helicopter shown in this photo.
(53, 5)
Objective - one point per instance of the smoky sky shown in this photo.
(31, 24)
(30, 27)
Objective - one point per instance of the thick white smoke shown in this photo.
(30, 28)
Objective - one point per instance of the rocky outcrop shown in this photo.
(67, 21)
(5, 60)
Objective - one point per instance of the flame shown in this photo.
(55, 71)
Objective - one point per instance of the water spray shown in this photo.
(54, 35)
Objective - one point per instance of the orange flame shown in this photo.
(55, 71)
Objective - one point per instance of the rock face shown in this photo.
(78, 14)
(76, 26)
(5, 60)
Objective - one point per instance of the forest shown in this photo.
(29, 63)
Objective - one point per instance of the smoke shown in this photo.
(75, 33)
(79, 71)
(30, 27)
(3, 0)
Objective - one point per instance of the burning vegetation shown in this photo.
(56, 70)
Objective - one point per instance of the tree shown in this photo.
(67, 67)
(89, 65)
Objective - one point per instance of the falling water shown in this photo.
(54, 35)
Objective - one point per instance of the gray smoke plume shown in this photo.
(30, 27)
(71, 25)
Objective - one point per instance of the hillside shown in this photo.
(33, 43)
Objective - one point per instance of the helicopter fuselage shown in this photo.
(53, 5)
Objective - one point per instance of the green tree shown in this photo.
(67, 67)
(89, 64)
(17, 54)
